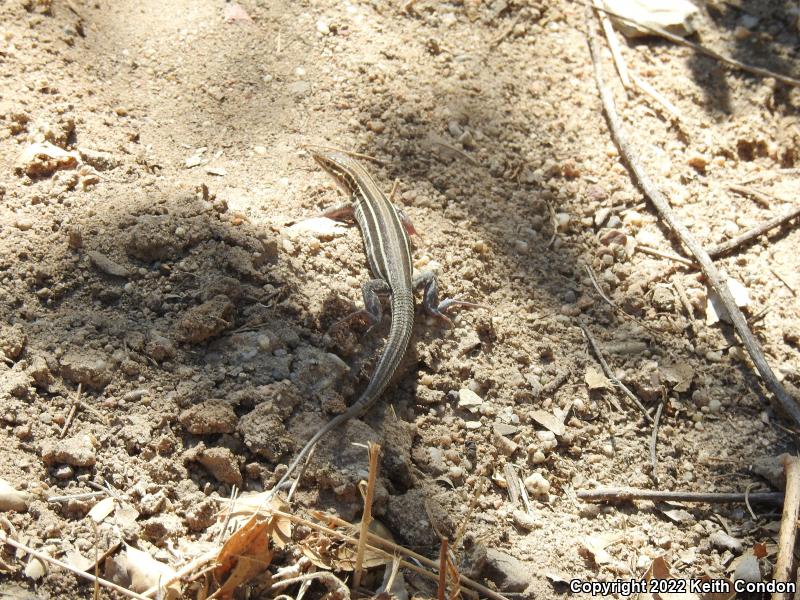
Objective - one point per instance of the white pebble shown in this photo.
(537, 485)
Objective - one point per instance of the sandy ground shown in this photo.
(148, 255)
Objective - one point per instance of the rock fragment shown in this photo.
(211, 416)
(76, 451)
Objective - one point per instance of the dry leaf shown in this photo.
(246, 554)
(678, 515)
(235, 12)
(595, 545)
(659, 571)
(12, 498)
(596, 380)
(715, 311)
(550, 421)
(78, 560)
(145, 571)
(679, 375)
(102, 509)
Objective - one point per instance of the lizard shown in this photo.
(385, 231)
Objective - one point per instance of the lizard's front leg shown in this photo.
(430, 297)
(373, 310)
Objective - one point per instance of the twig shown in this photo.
(44, 557)
(182, 572)
(326, 577)
(554, 219)
(476, 496)
(366, 518)
(648, 89)
(71, 414)
(783, 281)
(671, 256)
(753, 233)
(786, 537)
(662, 206)
(83, 496)
(610, 375)
(504, 33)
(687, 306)
(599, 290)
(613, 44)
(762, 198)
(654, 436)
(707, 51)
(388, 549)
(747, 501)
(457, 151)
(234, 495)
(300, 473)
(615, 495)
(441, 590)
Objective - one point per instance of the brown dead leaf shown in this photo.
(595, 546)
(659, 572)
(145, 571)
(596, 380)
(550, 421)
(679, 375)
(247, 553)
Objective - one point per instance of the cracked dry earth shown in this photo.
(153, 256)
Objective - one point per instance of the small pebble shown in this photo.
(537, 485)
(524, 521)
(323, 28)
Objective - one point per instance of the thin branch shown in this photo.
(388, 550)
(654, 436)
(366, 518)
(648, 89)
(753, 233)
(45, 558)
(788, 533)
(441, 590)
(762, 198)
(661, 204)
(613, 43)
(616, 495)
(610, 375)
(707, 51)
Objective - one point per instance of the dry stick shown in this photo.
(325, 576)
(44, 557)
(687, 306)
(763, 199)
(391, 547)
(441, 590)
(786, 537)
(662, 206)
(782, 279)
(71, 414)
(648, 89)
(613, 43)
(654, 436)
(614, 495)
(676, 257)
(707, 51)
(366, 518)
(753, 233)
(182, 572)
(610, 374)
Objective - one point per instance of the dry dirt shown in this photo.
(148, 257)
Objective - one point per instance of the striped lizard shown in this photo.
(385, 231)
